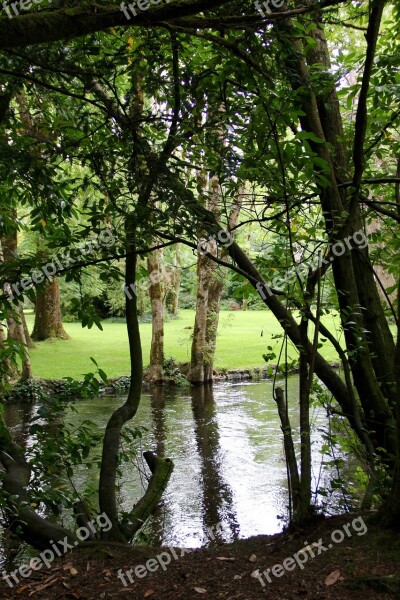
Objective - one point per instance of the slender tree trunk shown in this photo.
(17, 328)
(215, 290)
(367, 369)
(200, 352)
(199, 343)
(7, 369)
(155, 372)
(173, 303)
(16, 333)
(48, 320)
(390, 512)
(375, 321)
(290, 454)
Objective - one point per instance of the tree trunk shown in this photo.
(16, 333)
(48, 321)
(31, 527)
(215, 290)
(161, 471)
(204, 269)
(155, 372)
(161, 468)
(371, 358)
(375, 321)
(7, 369)
(17, 328)
(174, 291)
(390, 511)
(290, 454)
(199, 353)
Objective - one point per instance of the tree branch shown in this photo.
(63, 24)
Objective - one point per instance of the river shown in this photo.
(226, 443)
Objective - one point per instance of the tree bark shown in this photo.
(68, 23)
(215, 290)
(16, 333)
(161, 468)
(174, 290)
(48, 320)
(200, 351)
(379, 336)
(123, 414)
(389, 515)
(16, 324)
(35, 530)
(342, 220)
(161, 471)
(290, 454)
(204, 270)
(156, 367)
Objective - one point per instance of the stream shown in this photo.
(226, 443)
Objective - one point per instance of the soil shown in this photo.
(365, 565)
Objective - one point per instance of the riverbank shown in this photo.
(37, 388)
(352, 559)
(243, 338)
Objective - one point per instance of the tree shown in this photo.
(154, 262)
(293, 145)
(17, 330)
(48, 319)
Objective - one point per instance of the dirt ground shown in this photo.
(364, 565)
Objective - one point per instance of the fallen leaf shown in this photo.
(253, 558)
(224, 558)
(332, 577)
(237, 577)
(45, 585)
(107, 572)
(200, 590)
(149, 592)
(22, 589)
(255, 574)
(73, 571)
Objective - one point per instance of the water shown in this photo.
(226, 443)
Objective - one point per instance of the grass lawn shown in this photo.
(239, 344)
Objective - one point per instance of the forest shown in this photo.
(199, 306)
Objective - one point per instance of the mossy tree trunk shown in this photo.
(48, 319)
(199, 350)
(16, 323)
(154, 261)
(175, 284)
(215, 290)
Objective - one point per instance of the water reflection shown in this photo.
(226, 443)
(218, 503)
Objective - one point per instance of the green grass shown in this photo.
(239, 344)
